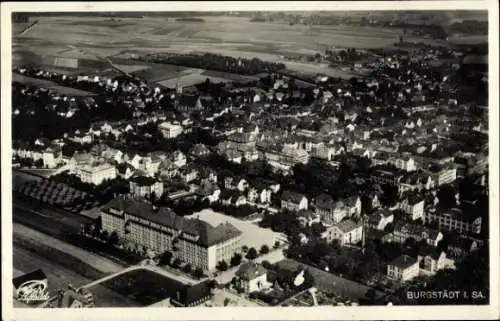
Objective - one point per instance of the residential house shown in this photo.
(460, 246)
(379, 220)
(308, 218)
(442, 175)
(293, 201)
(188, 173)
(404, 231)
(209, 191)
(432, 261)
(124, 171)
(170, 130)
(179, 158)
(405, 162)
(252, 277)
(353, 205)
(145, 187)
(167, 169)
(199, 150)
(414, 207)
(259, 195)
(97, 173)
(346, 232)
(330, 211)
(403, 268)
(52, 157)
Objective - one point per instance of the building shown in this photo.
(379, 220)
(414, 207)
(443, 175)
(52, 157)
(293, 201)
(454, 220)
(353, 205)
(170, 130)
(432, 261)
(405, 162)
(346, 232)
(192, 295)
(252, 277)
(97, 174)
(330, 211)
(403, 268)
(160, 229)
(404, 231)
(145, 187)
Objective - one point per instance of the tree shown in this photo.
(251, 254)
(236, 259)
(105, 235)
(165, 257)
(113, 238)
(244, 248)
(177, 262)
(389, 228)
(264, 249)
(187, 268)
(222, 265)
(198, 273)
(267, 265)
(277, 244)
(371, 294)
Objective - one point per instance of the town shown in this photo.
(270, 188)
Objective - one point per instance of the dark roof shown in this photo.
(324, 201)
(413, 229)
(188, 100)
(250, 270)
(292, 196)
(347, 225)
(209, 235)
(190, 294)
(403, 261)
(163, 216)
(35, 275)
(143, 180)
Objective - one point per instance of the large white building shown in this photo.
(403, 268)
(170, 130)
(160, 229)
(97, 174)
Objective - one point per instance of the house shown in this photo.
(353, 205)
(379, 220)
(167, 169)
(124, 171)
(188, 103)
(308, 218)
(170, 130)
(239, 200)
(432, 261)
(97, 173)
(403, 231)
(330, 211)
(259, 195)
(179, 158)
(145, 187)
(372, 200)
(293, 201)
(405, 162)
(242, 185)
(460, 246)
(52, 157)
(403, 268)
(192, 295)
(252, 277)
(199, 150)
(414, 207)
(188, 173)
(346, 232)
(208, 190)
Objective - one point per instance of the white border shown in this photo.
(289, 313)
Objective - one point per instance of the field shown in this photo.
(233, 36)
(42, 83)
(253, 235)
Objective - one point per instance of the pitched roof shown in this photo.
(290, 196)
(188, 295)
(250, 270)
(347, 225)
(324, 201)
(403, 261)
(209, 235)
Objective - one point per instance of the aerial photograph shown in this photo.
(250, 159)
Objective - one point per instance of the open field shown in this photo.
(234, 36)
(42, 83)
(253, 235)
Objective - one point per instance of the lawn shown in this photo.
(143, 287)
(253, 235)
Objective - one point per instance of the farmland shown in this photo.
(50, 85)
(230, 36)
